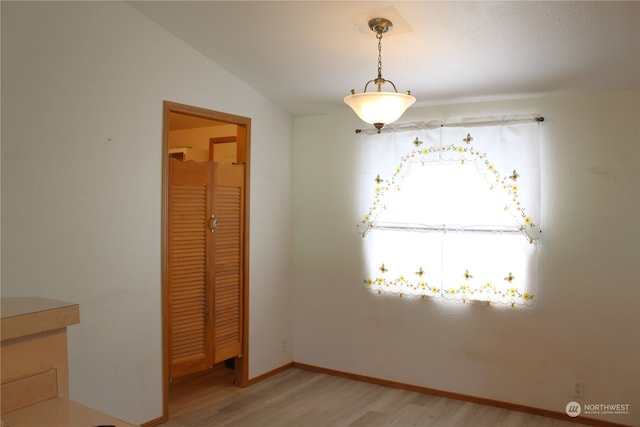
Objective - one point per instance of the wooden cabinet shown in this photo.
(34, 350)
(205, 264)
(34, 362)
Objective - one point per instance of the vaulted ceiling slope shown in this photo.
(307, 55)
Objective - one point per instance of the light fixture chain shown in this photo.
(379, 37)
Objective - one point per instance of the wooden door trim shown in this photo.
(243, 140)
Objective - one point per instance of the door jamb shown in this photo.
(241, 368)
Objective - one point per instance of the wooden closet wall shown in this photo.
(205, 263)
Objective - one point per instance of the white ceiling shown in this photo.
(307, 55)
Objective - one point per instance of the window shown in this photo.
(451, 212)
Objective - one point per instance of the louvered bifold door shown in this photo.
(190, 263)
(228, 276)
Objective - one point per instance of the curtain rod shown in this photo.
(446, 228)
(434, 124)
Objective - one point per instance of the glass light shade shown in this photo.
(379, 107)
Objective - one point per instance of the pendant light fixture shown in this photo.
(379, 108)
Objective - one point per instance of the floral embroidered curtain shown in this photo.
(451, 212)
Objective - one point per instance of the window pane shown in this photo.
(445, 210)
(446, 193)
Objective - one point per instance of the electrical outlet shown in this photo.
(283, 346)
(578, 388)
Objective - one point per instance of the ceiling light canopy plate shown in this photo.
(380, 25)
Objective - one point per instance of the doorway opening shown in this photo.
(200, 138)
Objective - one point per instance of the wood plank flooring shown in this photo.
(301, 398)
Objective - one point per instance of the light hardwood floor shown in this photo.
(301, 398)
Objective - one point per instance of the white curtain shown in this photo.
(452, 212)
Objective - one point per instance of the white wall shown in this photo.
(82, 91)
(585, 324)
